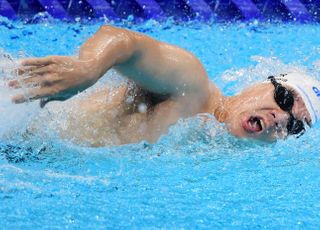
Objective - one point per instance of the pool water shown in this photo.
(195, 176)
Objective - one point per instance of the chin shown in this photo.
(236, 129)
(240, 133)
(250, 127)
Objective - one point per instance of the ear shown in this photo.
(221, 114)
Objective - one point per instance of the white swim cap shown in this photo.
(309, 90)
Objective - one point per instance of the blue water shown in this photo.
(190, 178)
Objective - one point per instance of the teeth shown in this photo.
(257, 122)
(262, 124)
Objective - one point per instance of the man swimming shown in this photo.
(169, 83)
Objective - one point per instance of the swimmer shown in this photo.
(170, 83)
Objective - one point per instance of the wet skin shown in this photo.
(165, 71)
(255, 114)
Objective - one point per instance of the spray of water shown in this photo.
(13, 118)
(236, 80)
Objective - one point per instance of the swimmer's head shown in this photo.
(282, 105)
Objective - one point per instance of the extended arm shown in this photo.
(155, 66)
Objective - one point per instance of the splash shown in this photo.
(237, 79)
(13, 118)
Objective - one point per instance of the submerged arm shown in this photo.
(155, 66)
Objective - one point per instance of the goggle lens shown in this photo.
(285, 100)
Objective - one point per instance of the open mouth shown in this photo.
(254, 124)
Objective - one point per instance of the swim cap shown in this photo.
(309, 90)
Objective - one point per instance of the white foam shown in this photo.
(12, 117)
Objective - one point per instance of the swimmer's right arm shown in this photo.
(155, 66)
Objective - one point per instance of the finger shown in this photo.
(43, 70)
(18, 99)
(27, 82)
(27, 69)
(35, 80)
(14, 84)
(32, 95)
(36, 70)
(38, 61)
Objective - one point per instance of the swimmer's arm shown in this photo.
(156, 66)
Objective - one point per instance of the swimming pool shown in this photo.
(192, 177)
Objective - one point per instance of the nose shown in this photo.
(279, 119)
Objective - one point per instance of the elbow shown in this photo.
(125, 37)
(108, 30)
(105, 28)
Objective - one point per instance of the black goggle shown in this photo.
(285, 100)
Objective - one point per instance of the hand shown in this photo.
(53, 78)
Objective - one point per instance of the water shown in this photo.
(193, 177)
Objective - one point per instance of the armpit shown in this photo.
(136, 97)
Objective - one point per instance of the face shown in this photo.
(255, 114)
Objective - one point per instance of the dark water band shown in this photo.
(219, 10)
